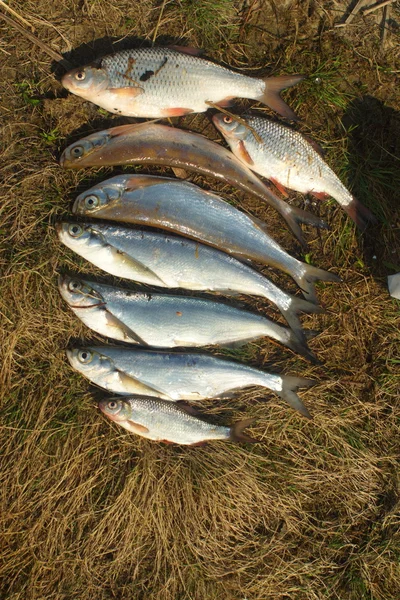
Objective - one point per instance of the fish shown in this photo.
(185, 208)
(169, 422)
(289, 160)
(166, 321)
(179, 375)
(170, 82)
(152, 143)
(169, 261)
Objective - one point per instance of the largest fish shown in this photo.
(178, 376)
(151, 143)
(167, 82)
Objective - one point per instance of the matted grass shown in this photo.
(88, 510)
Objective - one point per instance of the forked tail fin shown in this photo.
(301, 347)
(290, 313)
(308, 275)
(290, 385)
(271, 95)
(237, 434)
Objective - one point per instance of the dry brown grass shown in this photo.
(89, 511)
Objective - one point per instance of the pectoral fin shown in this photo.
(127, 93)
(131, 336)
(136, 427)
(244, 155)
(123, 259)
(134, 386)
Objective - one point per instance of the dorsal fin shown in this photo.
(314, 145)
(191, 50)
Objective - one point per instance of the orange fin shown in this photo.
(136, 427)
(197, 444)
(166, 442)
(280, 187)
(237, 434)
(176, 112)
(127, 93)
(271, 97)
(320, 195)
(244, 155)
(187, 50)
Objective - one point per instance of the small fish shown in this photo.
(168, 261)
(164, 321)
(170, 82)
(178, 376)
(169, 422)
(151, 143)
(289, 160)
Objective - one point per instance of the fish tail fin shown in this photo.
(309, 274)
(290, 385)
(271, 95)
(300, 345)
(294, 216)
(298, 305)
(237, 435)
(360, 214)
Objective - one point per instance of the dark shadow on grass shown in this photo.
(374, 177)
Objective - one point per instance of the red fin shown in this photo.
(320, 195)
(314, 144)
(136, 427)
(360, 214)
(187, 50)
(197, 444)
(244, 155)
(226, 102)
(127, 93)
(237, 434)
(176, 112)
(271, 97)
(280, 187)
(166, 442)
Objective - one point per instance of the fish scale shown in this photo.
(164, 82)
(289, 160)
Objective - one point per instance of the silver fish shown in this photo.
(152, 143)
(169, 422)
(173, 262)
(177, 376)
(289, 160)
(169, 82)
(164, 321)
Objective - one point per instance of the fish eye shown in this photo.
(74, 286)
(75, 230)
(80, 75)
(77, 151)
(228, 120)
(84, 356)
(112, 404)
(91, 201)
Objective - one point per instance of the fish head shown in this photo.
(74, 155)
(98, 197)
(92, 364)
(231, 129)
(78, 293)
(86, 81)
(81, 238)
(116, 409)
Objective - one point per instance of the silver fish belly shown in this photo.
(169, 422)
(172, 262)
(164, 321)
(177, 376)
